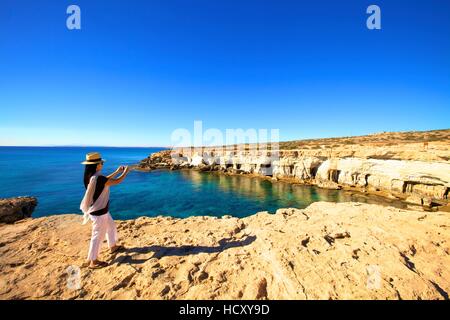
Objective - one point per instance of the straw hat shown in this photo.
(93, 158)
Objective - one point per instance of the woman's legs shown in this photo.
(111, 231)
(99, 227)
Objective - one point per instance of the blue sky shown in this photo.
(137, 70)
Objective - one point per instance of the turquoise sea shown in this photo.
(54, 175)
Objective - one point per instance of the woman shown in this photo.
(95, 206)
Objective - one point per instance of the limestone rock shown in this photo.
(14, 209)
(401, 165)
(326, 251)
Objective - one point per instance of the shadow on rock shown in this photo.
(164, 251)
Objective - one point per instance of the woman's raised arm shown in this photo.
(115, 173)
(114, 181)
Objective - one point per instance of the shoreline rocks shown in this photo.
(15, 209)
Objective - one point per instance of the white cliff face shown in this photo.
(306, 168)
(303, 168)
(395, 176)
(225, 161)
(415, 180)
(211, 160)
(248, 164)
(197, 160)
(181, 160)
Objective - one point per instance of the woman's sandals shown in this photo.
(102, 264)
(98, 265)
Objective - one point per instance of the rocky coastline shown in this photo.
(326, 251)
(389, 170)
(15, 209)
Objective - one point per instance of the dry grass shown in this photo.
(377, 139)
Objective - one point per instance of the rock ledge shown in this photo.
(14, 209)
(326, 251)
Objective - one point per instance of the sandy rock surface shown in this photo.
(326, 251)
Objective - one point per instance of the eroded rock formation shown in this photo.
(14, 209)
(418, 182)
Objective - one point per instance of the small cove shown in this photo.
(54, 176)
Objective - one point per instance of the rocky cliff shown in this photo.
(326, 251)
(424, 183)
(14, 209)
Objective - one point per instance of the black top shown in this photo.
(101, 181)
(100, 185)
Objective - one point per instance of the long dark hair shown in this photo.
(89, 171)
